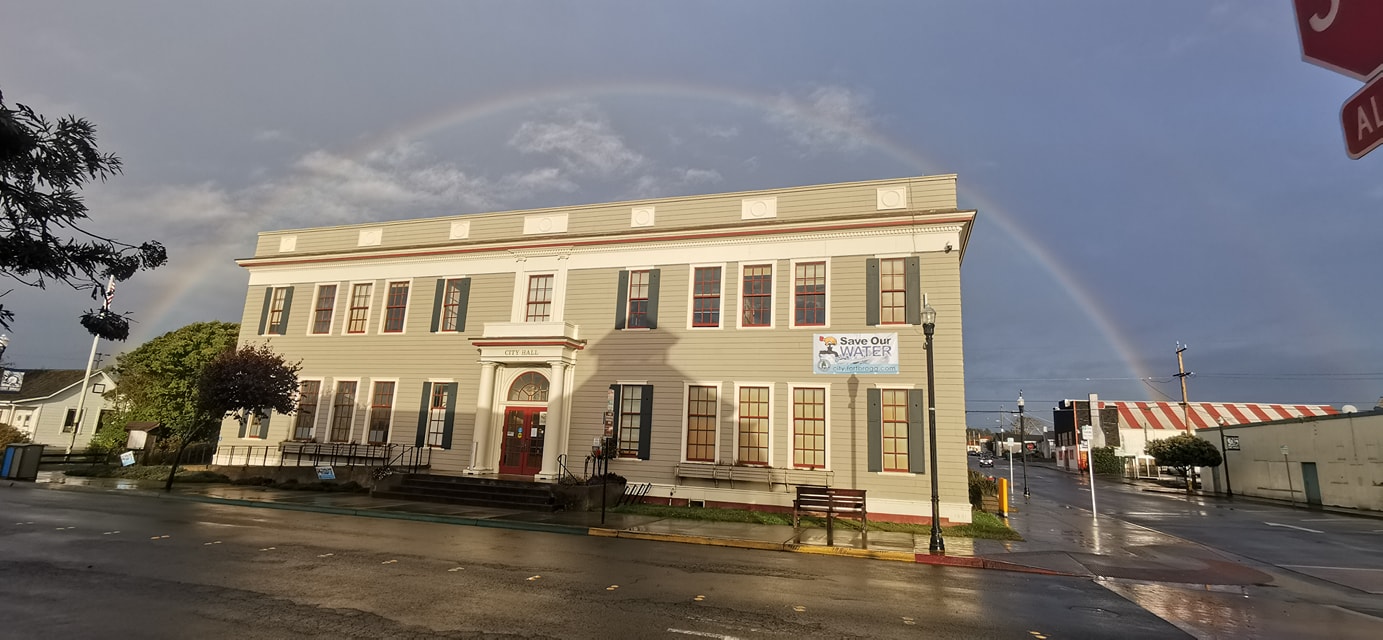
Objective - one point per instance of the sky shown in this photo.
(1147, 174)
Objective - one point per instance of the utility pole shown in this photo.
(1182, 373)
(1023, 443)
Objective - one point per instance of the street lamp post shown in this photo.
(1023, 444)
(1229, 488)
(937, 545)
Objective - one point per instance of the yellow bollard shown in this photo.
(1003, 497)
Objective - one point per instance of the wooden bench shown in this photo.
(832, 502)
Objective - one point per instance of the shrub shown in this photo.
(980, 486)
(12, 435)
(1106, 462)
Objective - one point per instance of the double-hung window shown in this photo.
(893, 291)
(323, 309)
(359, 307)
(637, 299)
(809, 428)
(538, 307)
(273, 320)
(437, 415)
(702, 402)
(633, 419)
(381, 412)
(305, 418)
(809, 294)
(449, 305)
(896, 431)
(752, 429)
(343, 411)
(395, 307)
(706, 297)
(756, 296)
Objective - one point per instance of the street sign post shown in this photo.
(1342, 35)
(1362, 117)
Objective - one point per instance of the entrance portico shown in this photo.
(521, 423)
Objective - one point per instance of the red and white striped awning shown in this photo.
(1168, 415)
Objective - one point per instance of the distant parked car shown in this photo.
(974, 452)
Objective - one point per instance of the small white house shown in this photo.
(45, 405)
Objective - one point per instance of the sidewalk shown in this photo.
(1057, 540)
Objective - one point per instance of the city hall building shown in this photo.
(734, 345)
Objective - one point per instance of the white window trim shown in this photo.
(519, 312)
(739, 302)
(312, 309)
(691, 293)
(369, 310)
(792, 292)
(317, 416)
(350, 437)
(735, 428)
(393, 409)
(384, 307)
(792, 416)
(686, 397)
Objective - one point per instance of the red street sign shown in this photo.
(1342, 35)
(1362, 119)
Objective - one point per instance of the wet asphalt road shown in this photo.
(1324, 569)
(91, 565)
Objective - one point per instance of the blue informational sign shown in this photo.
(325, 472)
(855, 353)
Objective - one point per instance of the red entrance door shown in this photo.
(522, 451)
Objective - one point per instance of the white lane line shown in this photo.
(1325, 520)
(1274, 524)
(702, 634)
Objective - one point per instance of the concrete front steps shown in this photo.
(475, 491)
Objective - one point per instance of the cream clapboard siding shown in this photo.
(667, 358)
(931, 193)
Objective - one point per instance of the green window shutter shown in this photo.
(463, 300)
(645, 421)
(622, 299)
(282, 328)
(264, 423)
(871, 292)
(653, 278)
(917, 445)
(423, 410)
(437, 304)
(875, 426)
(264, 314)
(450, 390)
(243, 425)
(913, 281)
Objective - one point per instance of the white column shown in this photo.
(484, 409)
(555, 433)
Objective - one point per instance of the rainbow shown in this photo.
(770, 104)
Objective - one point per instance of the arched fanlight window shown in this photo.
(530, 387)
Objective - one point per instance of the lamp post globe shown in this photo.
(937, 545)
(4, 342)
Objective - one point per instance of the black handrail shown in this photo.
(403, 457)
